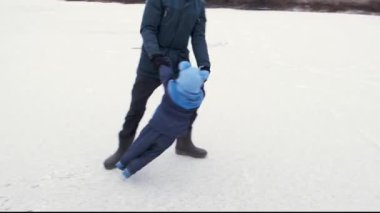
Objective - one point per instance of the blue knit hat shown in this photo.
(189, 80)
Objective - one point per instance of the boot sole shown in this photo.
(179, 152)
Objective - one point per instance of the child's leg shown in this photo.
(156, 149)
(145, 140)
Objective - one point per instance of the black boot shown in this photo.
(110, 162)
(185, 146)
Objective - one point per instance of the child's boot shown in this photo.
(120, 166)
(126, 173)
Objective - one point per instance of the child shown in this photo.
(182, 98)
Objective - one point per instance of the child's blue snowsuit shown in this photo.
(171, 119)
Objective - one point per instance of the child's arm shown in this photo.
(166, 73)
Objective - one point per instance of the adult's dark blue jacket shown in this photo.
(167, 27)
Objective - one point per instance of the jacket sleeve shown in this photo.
(198, 40)
(149, 26)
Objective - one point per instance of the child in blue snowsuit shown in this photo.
(182, 98)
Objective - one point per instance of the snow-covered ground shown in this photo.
(291, 119)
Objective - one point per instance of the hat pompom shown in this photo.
(184, 65)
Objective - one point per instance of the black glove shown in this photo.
(159, 60)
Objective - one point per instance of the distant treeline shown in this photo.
(359, 6)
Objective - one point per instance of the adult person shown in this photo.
(166, 28)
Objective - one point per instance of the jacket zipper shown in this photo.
(187, 3)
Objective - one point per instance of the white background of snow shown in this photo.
(291, 118)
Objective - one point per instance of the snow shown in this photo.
(291, 117)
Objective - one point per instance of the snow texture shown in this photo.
(291, 118)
